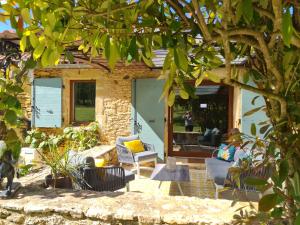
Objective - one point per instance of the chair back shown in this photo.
(103, 178)
(121, 140)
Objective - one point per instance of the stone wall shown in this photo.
(113, 96)
(53, 207)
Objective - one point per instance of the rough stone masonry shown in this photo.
(53, 207)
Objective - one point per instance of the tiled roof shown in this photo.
(158, 59)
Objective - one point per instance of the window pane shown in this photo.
(201, 120)
(84, 101)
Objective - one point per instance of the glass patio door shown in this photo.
(199, 124)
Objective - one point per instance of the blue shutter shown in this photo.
(46, 99)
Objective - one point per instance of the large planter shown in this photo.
(60, 182)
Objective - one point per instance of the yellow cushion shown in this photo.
(100, 162)
(134, 146)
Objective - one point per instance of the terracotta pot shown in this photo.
(60, 182)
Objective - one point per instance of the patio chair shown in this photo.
(126, 156)
(219, 171)
(90, 177)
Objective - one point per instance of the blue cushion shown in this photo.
(141, 156)
(207, 134)
(226, 149)
(121, 140)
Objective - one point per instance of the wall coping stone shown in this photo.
(139, 208)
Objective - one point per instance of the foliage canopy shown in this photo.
(199, 35)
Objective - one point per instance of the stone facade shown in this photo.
(113, 96)
(66, 207)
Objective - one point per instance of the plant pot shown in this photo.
(60, 181)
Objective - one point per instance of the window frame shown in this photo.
(72, 101)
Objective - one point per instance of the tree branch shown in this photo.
(202, 24)
(179, 10)
(277, 9)
(264, 12)
(281, 100)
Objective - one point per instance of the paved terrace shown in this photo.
(144, 204)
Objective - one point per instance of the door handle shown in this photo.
(151, 121)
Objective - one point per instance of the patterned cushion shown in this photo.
(226, 152)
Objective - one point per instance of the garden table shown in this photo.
(180, 174)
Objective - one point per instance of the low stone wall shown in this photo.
(53, 207)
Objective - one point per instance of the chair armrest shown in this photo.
(124, 155)
(149, 147)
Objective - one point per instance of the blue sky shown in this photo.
(4, 26)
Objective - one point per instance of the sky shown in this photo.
(4, 26)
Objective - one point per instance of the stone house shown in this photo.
(127, 100)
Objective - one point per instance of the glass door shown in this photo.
(200, 124)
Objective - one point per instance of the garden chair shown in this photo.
(90, 177)
(219, 171)
(126, 156)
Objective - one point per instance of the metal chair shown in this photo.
(126, 156)
(89, 177)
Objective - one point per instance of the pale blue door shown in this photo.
(147, 118)
(46, 102)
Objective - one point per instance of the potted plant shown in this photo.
(54, 154)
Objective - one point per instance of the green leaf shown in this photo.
(297, 220)
(254, 99)
(252, 111)
(267, 202)
(287, 27)
(23, 43)
(255, 181)
(263, 129)
(247, 10)
(171, 98)
(114, 54)
(45, 58)
(212, 76)
(283, 170)
(246, 77)
(239, 10)
(10, 116)
(199, 80)
(180, 58)
(183, 94)
(253, 129)
(13, 21)
(34, 41)
(51, 20)
(26, 15)
(38, 51)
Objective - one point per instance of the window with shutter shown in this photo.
(46, 102)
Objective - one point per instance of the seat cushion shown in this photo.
(129, 176)
(121, 140)
(217, 169)
(141, 156)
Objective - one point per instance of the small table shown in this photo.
(162, 173)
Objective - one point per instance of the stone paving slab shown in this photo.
(140, 208)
